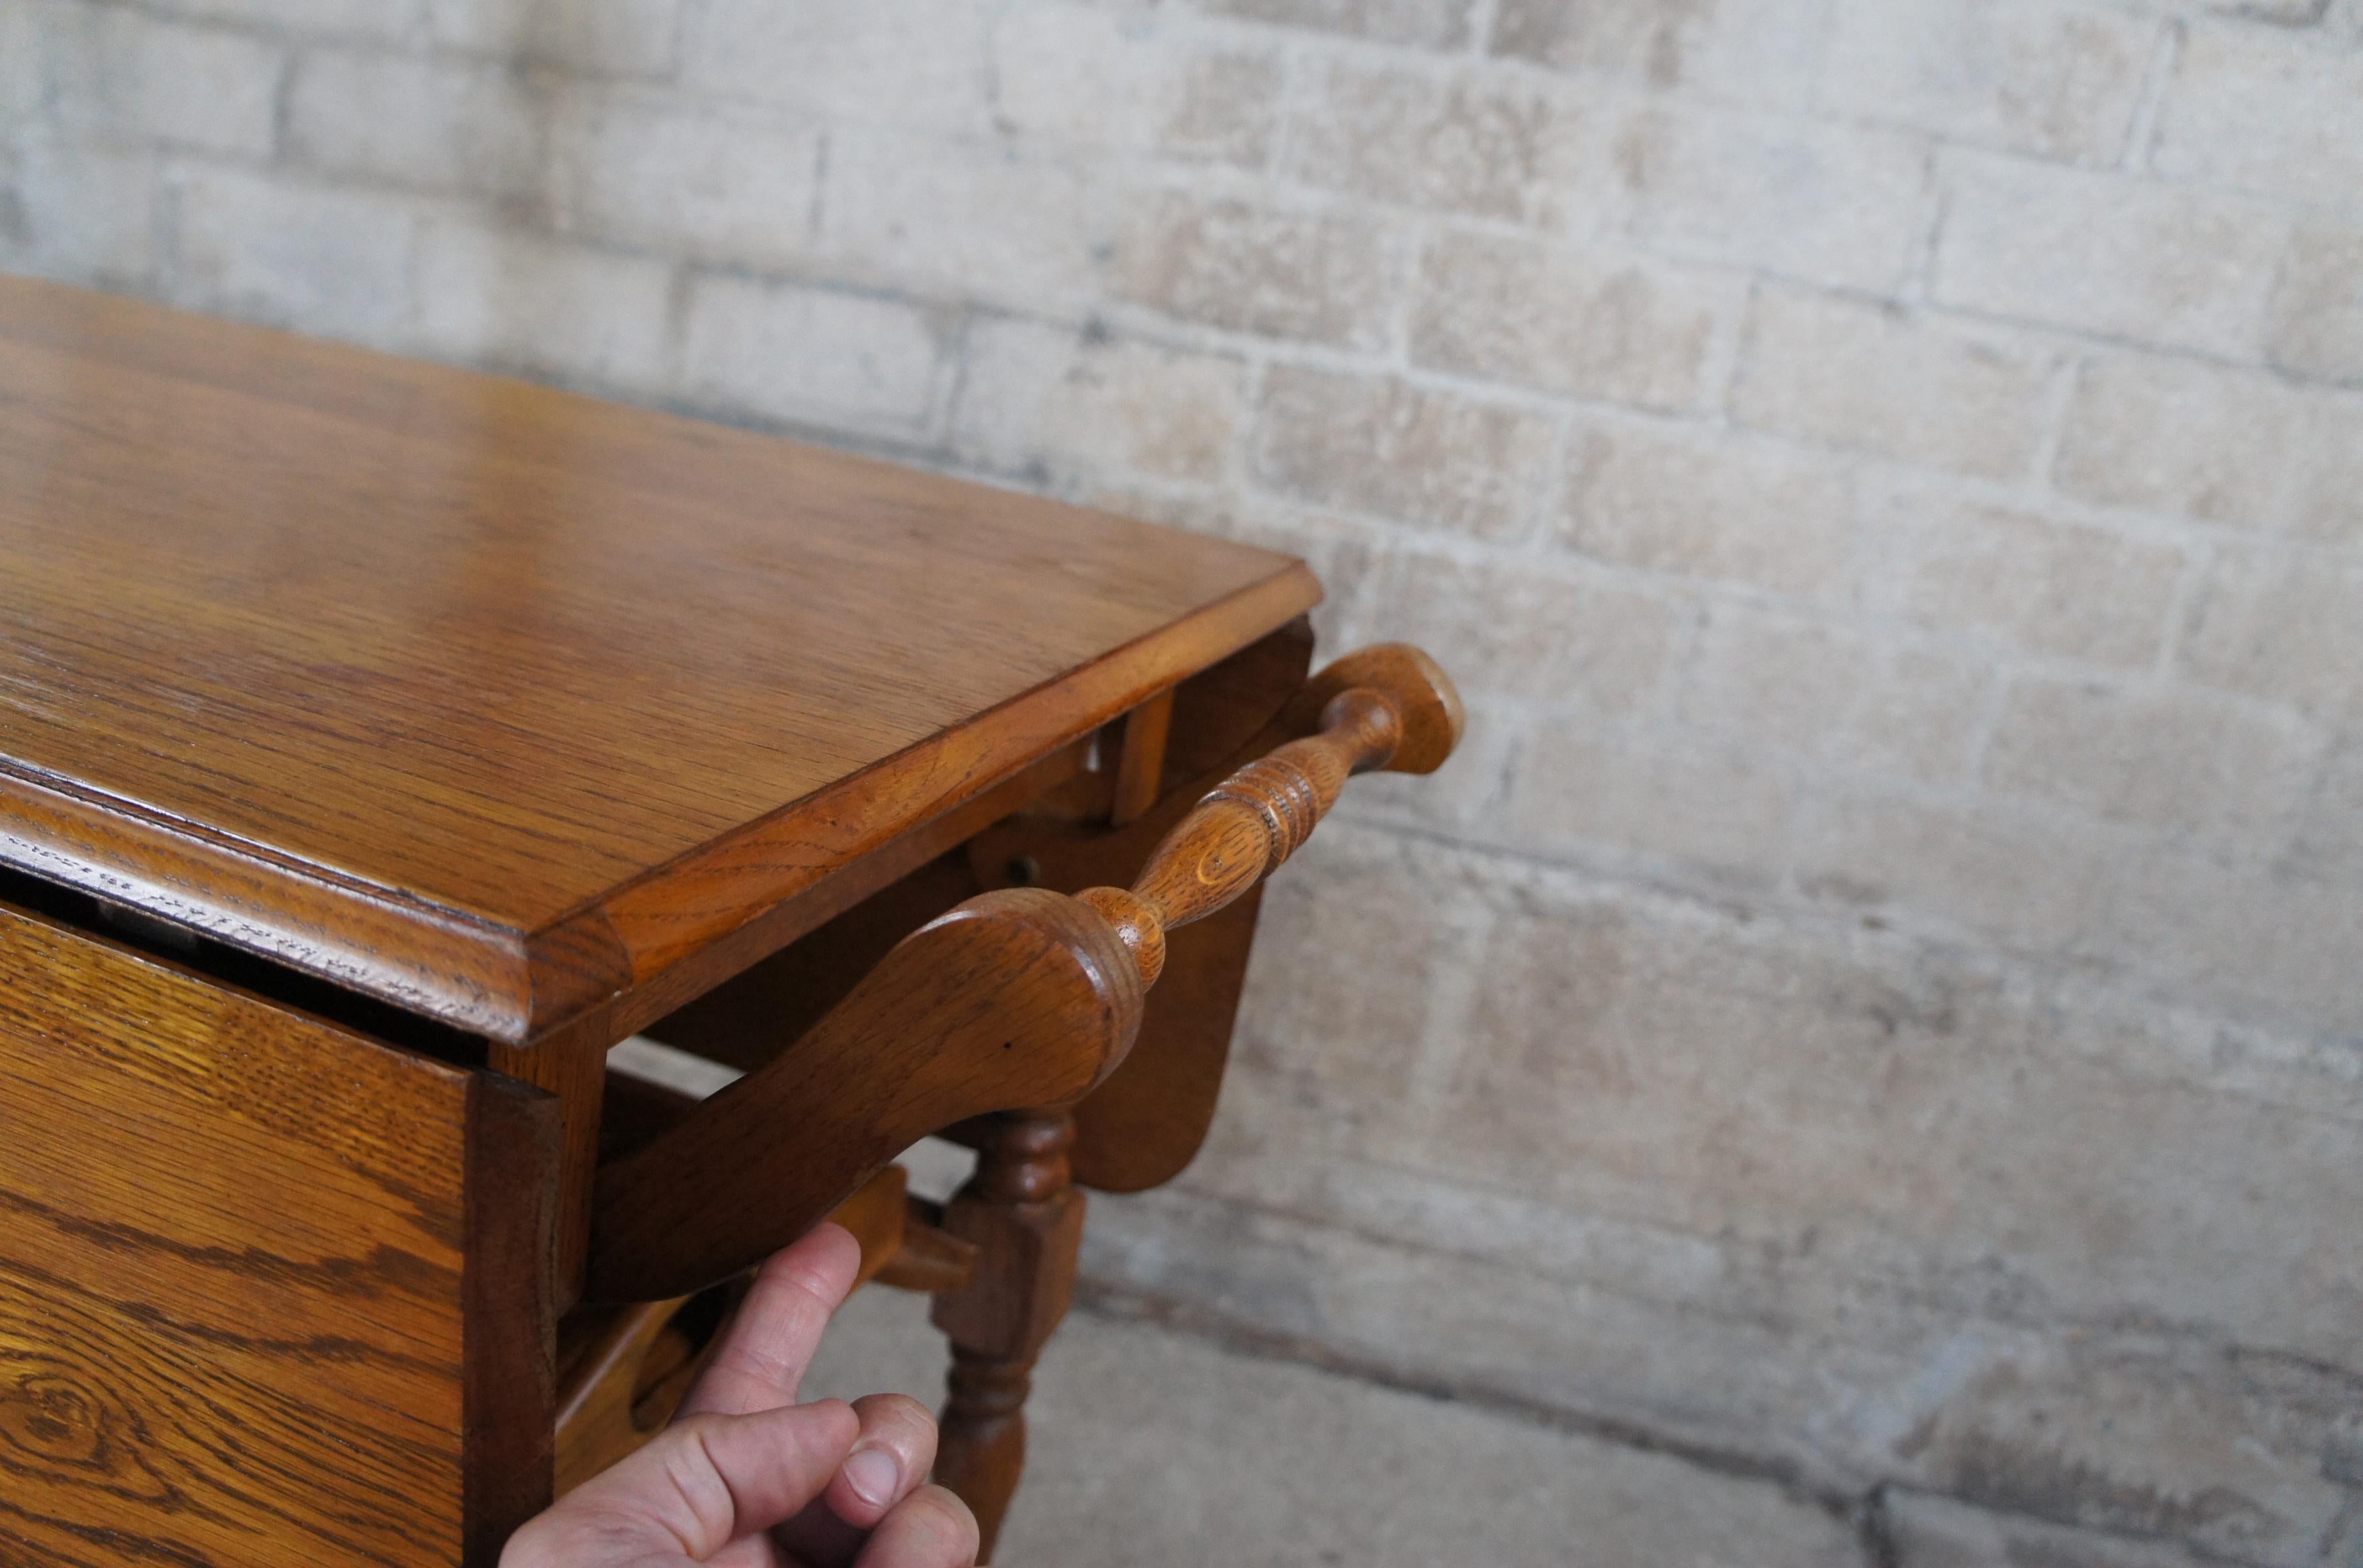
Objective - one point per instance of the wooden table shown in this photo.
(381, 744)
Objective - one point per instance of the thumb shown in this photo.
(698, 1486)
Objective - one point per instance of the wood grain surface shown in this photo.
(1015, 998)
(1249, 825)
(492, 701)
(271, 1293)
(750, 1017)
(1144, 1124)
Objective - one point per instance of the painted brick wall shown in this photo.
(1880, 1001)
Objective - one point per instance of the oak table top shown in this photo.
(491, 701)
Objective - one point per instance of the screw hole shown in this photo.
(1024, 871)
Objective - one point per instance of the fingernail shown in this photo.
(874, 1475)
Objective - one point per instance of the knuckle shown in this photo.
(895, 1409)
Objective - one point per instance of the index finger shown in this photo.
(770, 1340)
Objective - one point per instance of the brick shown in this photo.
(1321, 278)
(846, 58)
(1540, 1031)
(25, 28)
(1917, 714)
(1856, 705)
(1695, 1073)
(622, 38)
(2201, 1052)
(1827, 694)
(1481, 147)
(1694, 504)
(1353, 1038)
(1758, 51)
(1342, 554)
(2326, 457)
(2179, 437)
(1077, 75)
(1733, 1083)
(1579, 321)
(2102, 253)
(1227, 110)
(809, 355)
(2315, 326)
(2170, 758)
(381, 19)
(449, 125)
(2266, 112)
(1525, 629)
(80, 213)
(120, 74)
(724, 185)
(1718, 810)
(1890, 383)
(1380, 446)
(965, 221)
(2280, 624)
(497, 295)
(2038, 584)
(2012, 877)
(2231, 446)
(1828, 204)
(1929, 1531)
(2233, 934)
(2060, 80)
(337, 262)
(1039, 399)
(2329, 844)
(1428, 24)
(1768, 683)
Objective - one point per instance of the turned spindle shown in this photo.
(1406, 717)
(1017, 997)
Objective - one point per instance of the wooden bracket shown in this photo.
(1017, 997)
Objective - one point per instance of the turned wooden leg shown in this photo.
(1025, 1218)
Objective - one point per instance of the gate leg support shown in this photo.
(1026, 1216)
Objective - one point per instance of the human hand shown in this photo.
(745, 1477)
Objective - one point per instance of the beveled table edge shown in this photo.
(512, 985)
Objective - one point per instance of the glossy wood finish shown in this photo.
(1140, 758)
(494, 702)
(570, 1061)
(519, 723)
(1025, 1217)
(747, 1019)
(1012, 997)
(271, 1293)
(1382, 707)
(1145, 1123)
(1392, 708)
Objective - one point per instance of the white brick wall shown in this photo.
(124, 77)
(1878, 999)
(449, 127)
